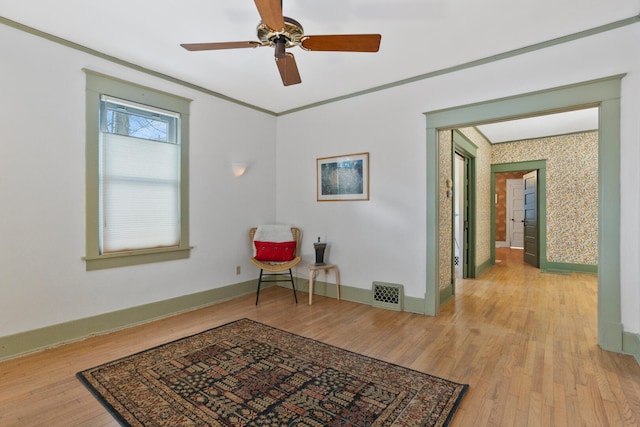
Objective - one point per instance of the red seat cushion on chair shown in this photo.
(275, 251)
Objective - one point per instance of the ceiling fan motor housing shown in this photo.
(292, 34)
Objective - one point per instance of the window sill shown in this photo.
(124, 259)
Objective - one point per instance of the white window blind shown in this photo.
(139, 177)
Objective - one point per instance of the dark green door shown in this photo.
(531, 218)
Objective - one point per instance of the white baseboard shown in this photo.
(502, 244)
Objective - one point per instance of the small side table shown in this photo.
(313, 270)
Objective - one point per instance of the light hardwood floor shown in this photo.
(525, 342)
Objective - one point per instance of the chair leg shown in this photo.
(259, 282)
(293, 285)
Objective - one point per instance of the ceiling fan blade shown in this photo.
(342, 43)
(218, 46)
(271, 13)
(288, 70)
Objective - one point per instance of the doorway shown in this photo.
(537, 232)
(509, 200)
(604, 94)
(516, 216)
(463, 155)
(530, 221)
(460, 217)
(514, 219)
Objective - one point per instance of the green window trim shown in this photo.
(98, 84)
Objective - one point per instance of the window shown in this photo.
(139, 177)
(137, 192)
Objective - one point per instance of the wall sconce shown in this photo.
(238, 168)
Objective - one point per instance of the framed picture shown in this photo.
(342, 177)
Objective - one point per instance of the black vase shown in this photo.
(320, 247)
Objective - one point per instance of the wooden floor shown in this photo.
(525, 342)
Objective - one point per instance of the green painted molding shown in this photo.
(484, 267)
(470, 152)
(432, 293)
(51, 336)
(603, 93)
(446, 294)
(568, 268)
(482, 61)
(115, 60)
(460, 141)
(414, 305)
(577, 96)
(487, 60)
(12, 346)
(136, 258)
(609, 289)
(631, 345)
(610, 335)
(320, 288)
(349, 293)
(519, 166)
(326, 289)
(96, 85)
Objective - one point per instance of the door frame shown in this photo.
(510, 225)
(602, 93)
(541, 167)
(461, 195)
(467, 149)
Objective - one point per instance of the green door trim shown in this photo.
(469, 151)
(541, 167)
(603, 93)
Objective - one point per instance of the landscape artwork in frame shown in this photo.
(343, 177)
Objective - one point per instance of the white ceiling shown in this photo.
(418, 37)
(541, 126)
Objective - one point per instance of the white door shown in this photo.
(515, 213)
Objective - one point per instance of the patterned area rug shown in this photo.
(249, 374)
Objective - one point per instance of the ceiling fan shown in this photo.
(282, 33)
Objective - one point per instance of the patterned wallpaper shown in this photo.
(572, 192)
(445, 213)
(483, 201)
(572, 195)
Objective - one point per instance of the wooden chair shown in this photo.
(277, 269)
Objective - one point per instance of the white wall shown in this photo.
(384, 238)
(42, 192)
(42, 230)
